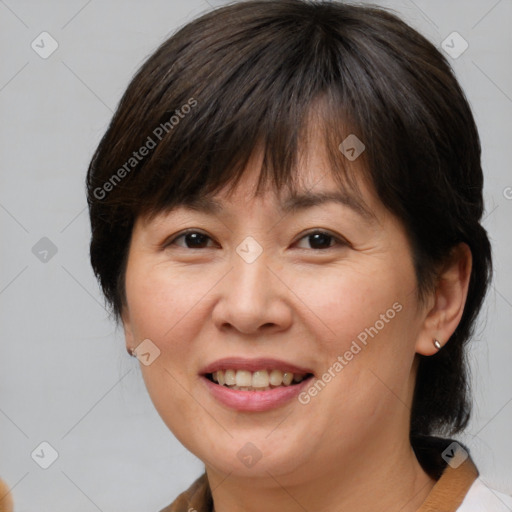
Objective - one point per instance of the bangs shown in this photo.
(220, 161)
(208, 120)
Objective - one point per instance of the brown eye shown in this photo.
(192, 240)
(319, 240)
(316, 240)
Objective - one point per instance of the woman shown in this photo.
(285, 216)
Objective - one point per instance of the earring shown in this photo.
(132, 352)
(437, 344)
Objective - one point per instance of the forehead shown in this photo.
(292, 202)
(314, 183)
(314, 180)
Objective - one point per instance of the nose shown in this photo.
(253, 299)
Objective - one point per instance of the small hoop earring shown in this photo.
(437, 344)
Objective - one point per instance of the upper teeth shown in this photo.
(261, 379)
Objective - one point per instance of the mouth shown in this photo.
(260, 380)
(255, 385)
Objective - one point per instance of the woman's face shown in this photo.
(260, 292)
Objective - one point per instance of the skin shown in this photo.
(348, 448)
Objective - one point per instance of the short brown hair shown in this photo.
(248, 75)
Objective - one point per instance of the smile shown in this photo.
(260, 380)
(254, 385)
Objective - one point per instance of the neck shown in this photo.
(369, 479)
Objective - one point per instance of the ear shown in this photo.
(127, 328)
(445, 310)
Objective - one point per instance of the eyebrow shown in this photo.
(292, 203)
(310, 199)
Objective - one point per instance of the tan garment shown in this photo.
(451, 489)
(446, 495)
(5, 497)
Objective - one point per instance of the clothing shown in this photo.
(481, 498)
(6, 504)
(457, 489)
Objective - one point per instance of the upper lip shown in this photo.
(252, 365)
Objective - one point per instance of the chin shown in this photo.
(252, 454)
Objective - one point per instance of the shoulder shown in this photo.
(482, 498)
(197, 498)
(6, 502)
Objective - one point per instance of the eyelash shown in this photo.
(339, 241)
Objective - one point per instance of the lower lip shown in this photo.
(255, 401)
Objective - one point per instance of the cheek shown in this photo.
(163, 307)
(349, 304)
(161, 301)
(366, 324)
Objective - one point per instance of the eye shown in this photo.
(192, 239)
(318, 240)
(322, 240)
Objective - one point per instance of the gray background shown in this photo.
(65, 377)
